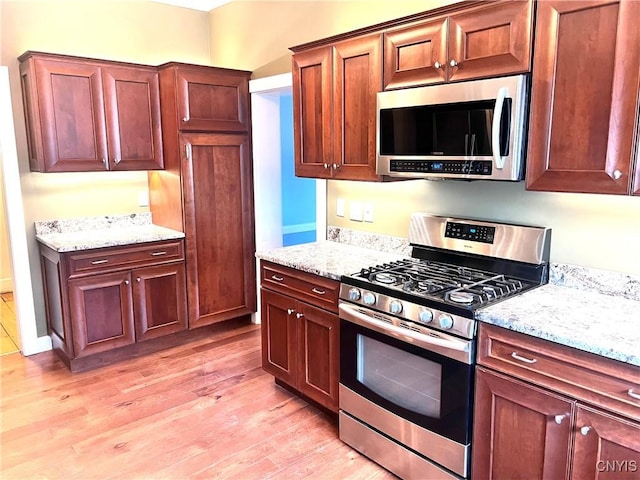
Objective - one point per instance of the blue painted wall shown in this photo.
(298, 194)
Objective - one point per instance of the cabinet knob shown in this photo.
(559, 418)
(116, 161)
(585, 430)
(326, 166)
(335, 166)
(105, 163)
(299, 315)
(126, 282)
(138, 279)
(437, 65)
(185, 119)
(290, 311)
(453, 63)
(617, 174)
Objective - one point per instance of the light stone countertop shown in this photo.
(587, 315)
(72, 235)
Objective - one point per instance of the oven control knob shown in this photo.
(354, 294)
(369, 298)
(395, 307)
(446, 321)
(425, 316)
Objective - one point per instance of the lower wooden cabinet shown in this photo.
(537, 423)
(300, 345)
(100, 300)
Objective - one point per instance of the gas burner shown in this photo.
(384, 278)
(465, 298)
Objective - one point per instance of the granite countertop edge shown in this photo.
(565, 309)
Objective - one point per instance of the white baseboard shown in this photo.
(43, 344)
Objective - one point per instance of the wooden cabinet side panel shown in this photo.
(357, 78)
(312, 113)
(318, 353)
(33, 121)
(279, 337)
(515, 434)
(582, 118)
(219, 227)
(132, 107)
(159, 300)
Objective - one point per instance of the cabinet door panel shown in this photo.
(357, 77)
(101, 313)
(584, 96)
(218, 210)
(211, 102)
(71, 116)
(279, 352)
(312, 113)
(515, 434)
(609, 450)
(132, 105)
(411, 53)
(489, 41)
(160, 302)
(318, 344)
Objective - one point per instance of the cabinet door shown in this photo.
(605, 447)
(515, 433)
(212, 101)
(318, 354)
(132, 107)
(357, 76)
(279, 336)
(490, 41)
(586, 73)
(219, 227)
(65, 111)
(159, 300)
(415, 55)
(312, 113)
(101, 313)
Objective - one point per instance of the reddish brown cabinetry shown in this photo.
(334, 98)
(90, 115)
(552, 406)
(478, 41)
(300, 332)
(206, 189)
(99, 300)
(584, 104)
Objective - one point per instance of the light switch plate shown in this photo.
(355, 211)
(143, 199)
(340, 207)
(367, 213)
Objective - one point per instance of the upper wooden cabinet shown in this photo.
(206, 99)
(584, 104)
(334, 101)
(90, 115)
(481, 41)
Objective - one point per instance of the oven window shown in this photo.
(407, 380)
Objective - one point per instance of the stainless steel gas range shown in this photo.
(407, 339)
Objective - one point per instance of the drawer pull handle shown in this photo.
(276, 278)
(585, 430)
(319, 292)
(632, 394)
(157, 254)
(523, 359)
(99, 262)
(559, 418)
(290, 311)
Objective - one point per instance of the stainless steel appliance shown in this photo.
(407, 339)
(466, 130)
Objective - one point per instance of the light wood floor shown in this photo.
(202, 410)
(8, 324)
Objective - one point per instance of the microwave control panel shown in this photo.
(453, 167)
(474, 233)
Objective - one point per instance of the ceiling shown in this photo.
(202, 5)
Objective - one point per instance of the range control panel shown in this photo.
(470, 232)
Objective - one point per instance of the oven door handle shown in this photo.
(438, 343)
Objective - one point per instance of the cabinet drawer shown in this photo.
(598, 380)
(117, 258)
(314, 289)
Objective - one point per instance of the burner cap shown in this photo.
(461, 297)
(384, 278)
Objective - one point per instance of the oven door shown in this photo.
(399, 381)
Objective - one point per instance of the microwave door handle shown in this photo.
(473, 143)
(498, 159)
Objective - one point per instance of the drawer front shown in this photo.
(117, 258)
(591, 378)
(314, 289)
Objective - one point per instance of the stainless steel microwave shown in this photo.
(474, 130)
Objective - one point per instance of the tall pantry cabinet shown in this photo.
(206, 189)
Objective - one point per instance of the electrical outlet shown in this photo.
(367, 213)
(340, 207)
(355, 211)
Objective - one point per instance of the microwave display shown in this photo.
(450, 130)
